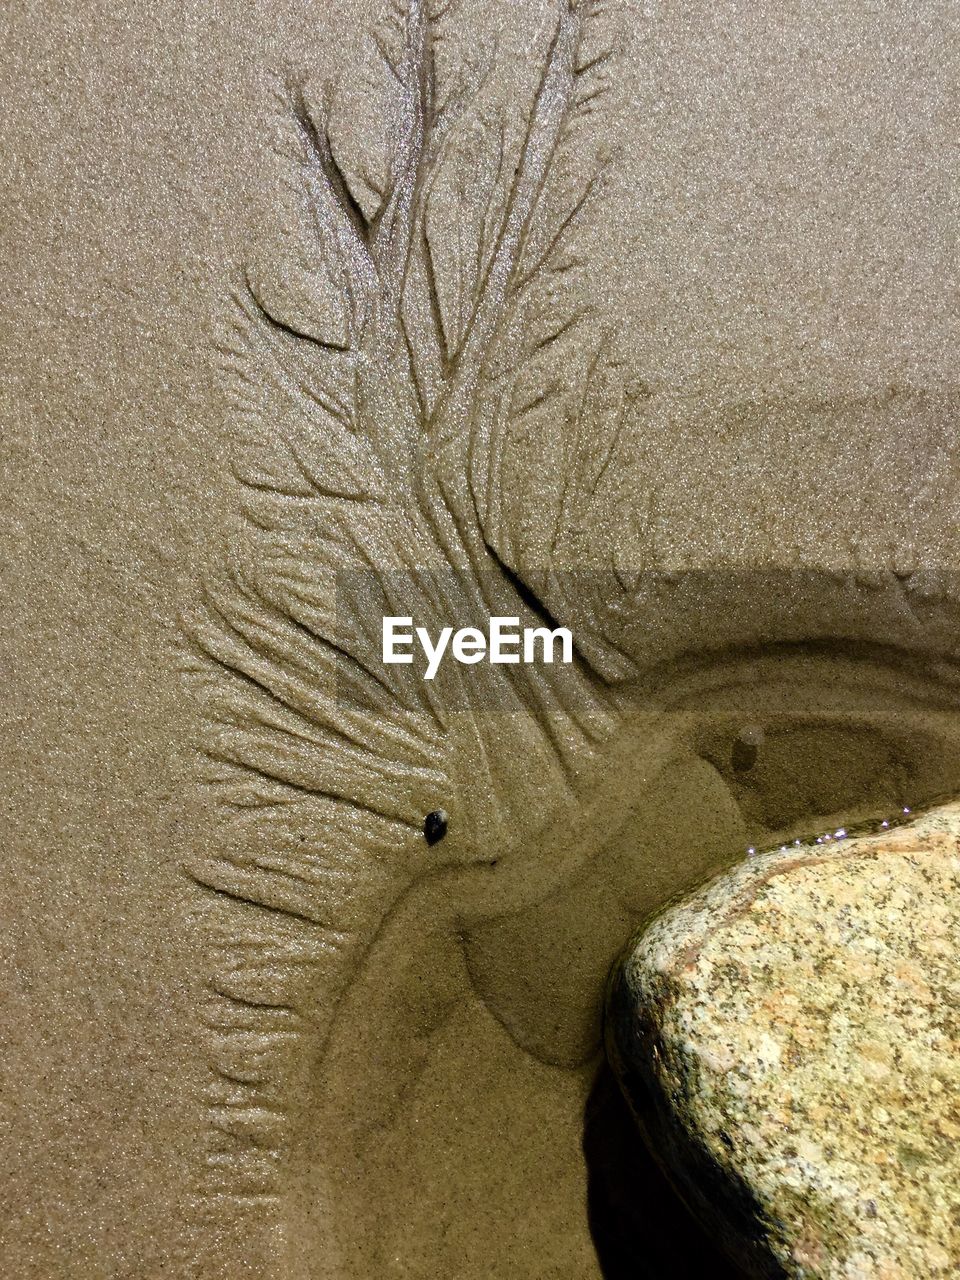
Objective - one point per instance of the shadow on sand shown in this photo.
(641, 1229)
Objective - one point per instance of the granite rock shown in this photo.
(789, 1040)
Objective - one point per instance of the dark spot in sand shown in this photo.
(435, 826)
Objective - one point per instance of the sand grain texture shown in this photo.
(758, 312)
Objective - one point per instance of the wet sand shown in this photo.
(775, 250)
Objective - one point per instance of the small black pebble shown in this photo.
(435, 826)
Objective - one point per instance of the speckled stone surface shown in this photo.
(789, 1039)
